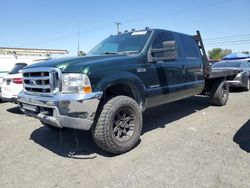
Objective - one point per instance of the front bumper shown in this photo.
(12, 99)
(235, 83)
(8, 97)
(0, 92)
(75, 111)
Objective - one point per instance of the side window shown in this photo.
(247, 64)
(158, 42)
(244, 65)
(189, 47)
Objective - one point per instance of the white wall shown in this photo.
(7, 62)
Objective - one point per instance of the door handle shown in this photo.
(183, 67)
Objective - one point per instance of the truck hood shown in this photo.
(76, 64)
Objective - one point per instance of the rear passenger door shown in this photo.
(192, 63)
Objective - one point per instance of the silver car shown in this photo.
(242, 80)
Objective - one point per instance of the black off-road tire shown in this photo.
(103, 130)
(219, 92)
(51, 126)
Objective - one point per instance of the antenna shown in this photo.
(117, 26)
(78, 42)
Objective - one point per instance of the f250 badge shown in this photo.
(141, 70)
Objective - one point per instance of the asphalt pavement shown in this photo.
(188, 143)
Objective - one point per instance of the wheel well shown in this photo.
(122, 89)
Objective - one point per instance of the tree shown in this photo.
(218, 53)
(226, 52)
(246, 52)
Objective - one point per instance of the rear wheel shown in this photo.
(119, 125)
(219, 92)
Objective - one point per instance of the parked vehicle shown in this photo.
(1, 82)
(242, 80)
(107, 90)
(13, 83)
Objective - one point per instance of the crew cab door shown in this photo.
(171, 76)
(192, 64)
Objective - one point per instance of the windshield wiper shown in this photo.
(109, 53)
(128, 52)
(123, 52)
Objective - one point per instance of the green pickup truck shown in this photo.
(107, 90)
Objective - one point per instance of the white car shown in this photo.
(2, 74)
(13, 83)
(1, 82)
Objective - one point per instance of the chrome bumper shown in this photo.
(235, 83)
(75, 111)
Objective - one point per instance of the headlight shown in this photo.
(73, 83)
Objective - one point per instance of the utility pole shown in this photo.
(117, 26)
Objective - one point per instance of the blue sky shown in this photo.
(55, 23)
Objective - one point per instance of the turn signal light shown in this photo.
(87, 89)
(17, 80)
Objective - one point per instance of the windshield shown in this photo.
(227, 64)
(132, 42)
(17, 68)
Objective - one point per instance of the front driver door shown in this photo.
(170, 73)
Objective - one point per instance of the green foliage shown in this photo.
(226, 52)
(246, 52)
(218, 53)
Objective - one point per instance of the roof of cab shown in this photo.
(154, 30)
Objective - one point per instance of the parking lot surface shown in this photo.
(187, 143)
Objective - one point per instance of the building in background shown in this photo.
(10, 56)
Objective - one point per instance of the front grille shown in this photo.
(44, 81)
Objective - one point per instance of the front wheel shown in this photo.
(119, 125)
(219, 92)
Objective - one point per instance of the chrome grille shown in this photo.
(44, 81)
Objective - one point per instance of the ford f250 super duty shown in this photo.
(107, 90)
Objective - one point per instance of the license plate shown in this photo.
(30, 107)
(6, 89)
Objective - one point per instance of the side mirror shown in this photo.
(20, 71)
(167, 53)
